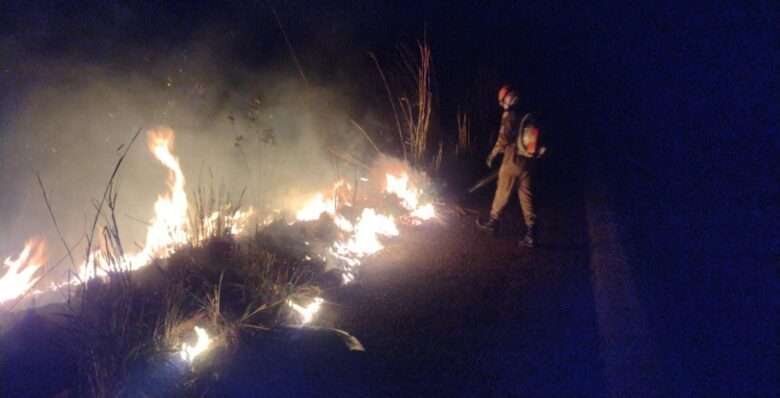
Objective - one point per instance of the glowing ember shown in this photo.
(190, 352)
(20, 275)
(306, 313)
(315, 207)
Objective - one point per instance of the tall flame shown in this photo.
(20, 275)
(169, 226)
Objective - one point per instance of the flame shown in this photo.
(239, 221)
(322, 202)
(20, 275)
(424, 213)
(169, 226)
(307, 313)
(190, 352)
(314, 208)
(399, 186)
(364, 240)
(235, 223)
(410, 197)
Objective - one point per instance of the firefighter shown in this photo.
(519, 142)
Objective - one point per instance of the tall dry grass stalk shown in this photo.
(464, 134)
(416, 109)
(413, 111)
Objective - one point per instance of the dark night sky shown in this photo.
(680, 98)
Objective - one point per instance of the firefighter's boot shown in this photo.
(490, 225)
(530, 240)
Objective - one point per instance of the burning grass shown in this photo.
(157, 320)
(141, 324)
(146, 331)
(140, 333)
